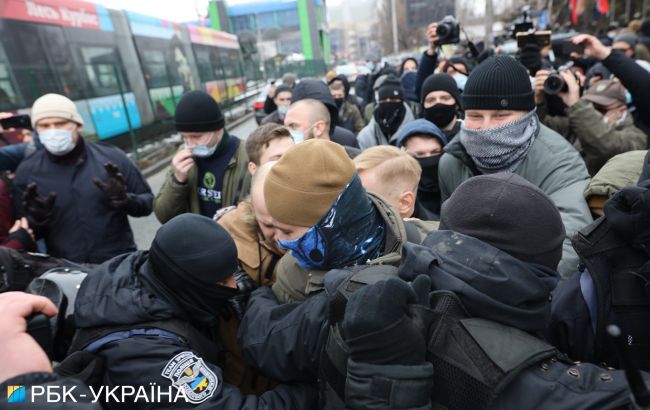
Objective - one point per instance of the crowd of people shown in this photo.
(454, 234)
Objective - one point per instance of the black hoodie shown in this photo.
(491, 284)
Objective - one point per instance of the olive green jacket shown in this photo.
(175, 198)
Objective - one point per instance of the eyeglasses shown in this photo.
(622, 50)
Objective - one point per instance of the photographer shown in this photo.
(597, 124)
(633, 77)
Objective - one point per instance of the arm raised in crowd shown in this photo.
(429, 59)
(634, 77)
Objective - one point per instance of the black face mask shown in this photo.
(428, 189)
(440, 114)
(339, 102)
(429, 178)
(389, 116)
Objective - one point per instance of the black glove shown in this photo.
(245, 285)
(114, 187)
(381, 324)
(39, 210)
(531, 58)
(628, 213)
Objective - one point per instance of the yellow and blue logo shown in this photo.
(15, 394)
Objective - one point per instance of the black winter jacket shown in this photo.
(85, 228)
(115, 294)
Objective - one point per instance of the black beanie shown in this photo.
(390, 88)
(509, 213)
(283, 89)
(440, 82)
(197, 247)
(499, 83)
(197, 111)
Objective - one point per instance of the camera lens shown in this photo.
(443, 30)
(554, 84)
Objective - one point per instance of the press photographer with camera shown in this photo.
(446, 31)
(598, 124)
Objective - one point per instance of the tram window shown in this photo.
(153, 62)
(7, 94)
(203, 62)
(100, 67)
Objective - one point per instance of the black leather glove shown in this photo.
(245, 285)
(381, 324)
(531, 58)
(628, 213)
(39, 210)
(114, 187)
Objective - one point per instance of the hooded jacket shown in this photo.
(551, 164)
(371, 135)
(116, 294)
(495, 286)
(318, 90)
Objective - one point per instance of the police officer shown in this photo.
(148, 316)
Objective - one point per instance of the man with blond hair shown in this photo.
(392, 174)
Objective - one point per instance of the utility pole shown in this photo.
(394, 13)
(489, 18)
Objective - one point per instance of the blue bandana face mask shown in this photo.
(351, 233)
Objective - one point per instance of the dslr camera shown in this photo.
(555, 84)
(448, 31)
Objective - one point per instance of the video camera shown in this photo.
(448, 31)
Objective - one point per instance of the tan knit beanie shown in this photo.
(55, 105)
(303, 185)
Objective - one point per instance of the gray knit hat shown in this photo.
(509, 213)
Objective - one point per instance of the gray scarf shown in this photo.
(501, 148)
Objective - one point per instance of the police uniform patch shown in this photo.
(189, 372)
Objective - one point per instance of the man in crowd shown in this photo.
(78, 194)
(392, 174)
(209, 171)
(425, 142)
(267, 143)
(282, 100)
(310, 119)
(165, 303)
(633, 77)
(598, 124)
(391, 113)
(349, 115)
(441, 103)
(318, 90)
(492, 268)
(310, 194)
(501, 133)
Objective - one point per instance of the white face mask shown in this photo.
(297, 135)
(202, 150)
(57, 141)
(460, 79)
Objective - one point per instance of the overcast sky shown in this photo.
(174, 10)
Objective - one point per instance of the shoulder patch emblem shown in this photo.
(189, 372)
